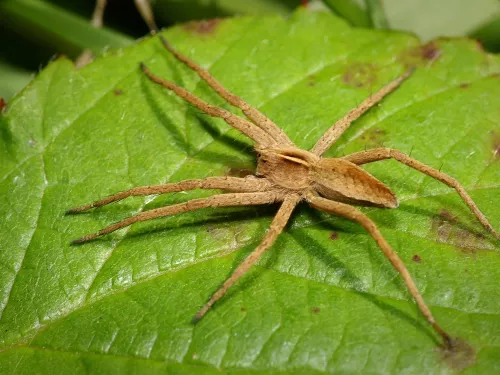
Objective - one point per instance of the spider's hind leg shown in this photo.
(354, 214)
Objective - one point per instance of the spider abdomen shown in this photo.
(343, 181)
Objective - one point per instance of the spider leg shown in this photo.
(244, 126)
(235, 184)
(87, 56)
(222, 200)
(354, 214)
(277, 225)
(377, 154)
(257, 117)
(98, 14)
(341, 125)
(144, 8)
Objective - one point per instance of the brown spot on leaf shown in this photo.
(373, 137)
(117, 92)
(421, 55)
(218, 232)
(202, 27)
(243, 308)
(315, 310)
(447, 215)
(464, 85)
(229, 238)
(495, 149)
(416, 258)
(430, 51)
(3, 104)
(360, 75)
(469, 239)
(311, 80)
(459, 356)
(333, 236)
(448, 230)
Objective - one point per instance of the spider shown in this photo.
(289, 175)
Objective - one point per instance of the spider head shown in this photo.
(286, 167)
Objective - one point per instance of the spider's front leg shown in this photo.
(383, 153)
(257, 117)
(222, 200)
(237, 185)
(260, 136)
(341, 125)
(354, 214)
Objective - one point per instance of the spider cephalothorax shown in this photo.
(289, 168)
(288, 174)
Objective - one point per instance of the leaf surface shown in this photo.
(323, 299)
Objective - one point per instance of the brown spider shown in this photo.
(288, 174)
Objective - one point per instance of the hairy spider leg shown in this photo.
(257, 117)
(235, 184)
(340, 126)
(354, 214)
(222, 200)
(253, 132)
(378, 154)
(277, 225)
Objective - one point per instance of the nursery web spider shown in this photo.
(289, 175)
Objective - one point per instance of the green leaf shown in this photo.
(323, 299)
